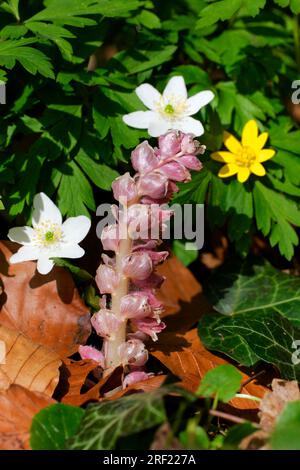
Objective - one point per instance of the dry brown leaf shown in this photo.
(274, 401)
(76, 397)
(28, 364)
(181, 295)
(17, 408)
(144, 386)
(186, 357)
(46, 309)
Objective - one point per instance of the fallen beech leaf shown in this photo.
(46, 309)
(181, 295)
(271, 406)
(144, 386)
(96, 392)
(28, 364)
(186, 357)
(17, 408)
(274, 401)
(73, 377)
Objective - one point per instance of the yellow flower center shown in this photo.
(47, 234)
(169, 109)
(246, 157)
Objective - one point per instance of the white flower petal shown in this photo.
(189, 125)
(175, 87)
(148, 95)
(45, 209)
(22, 235)
(44, 265)
(159, 127)
(25, 253)
(139, 119)
(75, 229)
(67, 251)
(198, 101)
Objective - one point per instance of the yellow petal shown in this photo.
(225, 157)
(232, 143)
(228, 170)
(265, 154)
(243, 174)
(261, 141)
(258, 169)
(250, 133)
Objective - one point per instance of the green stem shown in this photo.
(248, 397)
(297, 40)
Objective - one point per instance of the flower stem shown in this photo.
(111, 346)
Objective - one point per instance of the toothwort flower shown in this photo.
(49, 237)
(132, 313)
(170, 110)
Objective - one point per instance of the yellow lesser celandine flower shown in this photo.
(245, 157)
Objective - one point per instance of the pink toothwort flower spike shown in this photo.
(124, 187)
(133, 352)
(169, 144)
(135, 377)
(88, 352)
(154, 281)
(110, 237)
(150, 326)
(129, 276)
(143, 158)
(135, 305)
(175, 171)
(191, 162)
(105, 323)
(153, 184)
(137, 266)
(106, 279)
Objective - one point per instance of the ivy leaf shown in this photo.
(258, 307)
(222, 382)
(53, 425)
(104, 423)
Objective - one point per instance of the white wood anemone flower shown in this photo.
(171, 110)
(49, 237)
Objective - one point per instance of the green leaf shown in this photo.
(236, 434)
(287, 429)
(196, 439)
(258, 307)
(222, 382)
(101, 175)
(186, 254)
(53, 425)
(31, 59)
(225, 9)
(75, 192)
(275, 212)
(104, 423)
